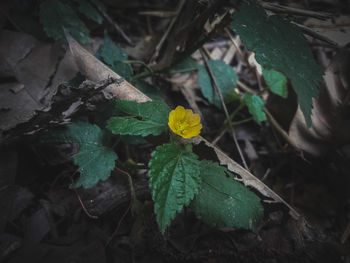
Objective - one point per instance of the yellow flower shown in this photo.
(184, 122)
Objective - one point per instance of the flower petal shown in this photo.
(192, 131)
(180, 113)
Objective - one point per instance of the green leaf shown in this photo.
(149, 90)
(276, 82)
(55, 15)
(281, 46)
(174, 180)
(90, 11)
(114, 56)
(123, 69)
(225, 77)
(153, 114)
(132, 139)
(224, 202)
(255, 106)
(186, 65)
(95, 160)
(132, 126)
(110, 52)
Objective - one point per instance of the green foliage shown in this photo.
(123, 69)
(224, 202)
(148, 89)
(174, 180)
(132, 139)
(55, 15)
(90, 11)
(255, 106)
(225, 77)
(186, 65)
(115, 57)
(95, 160)
(110, 52)
(153, 114)
(281, 46)
(276, 82)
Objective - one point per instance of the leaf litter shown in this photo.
(288, 190)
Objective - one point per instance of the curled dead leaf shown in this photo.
(330, 124)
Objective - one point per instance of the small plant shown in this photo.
(177, 177)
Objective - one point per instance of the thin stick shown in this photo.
(225, 109)
(141, 63)
(81, 201)
(233, 41)
(164, 37)
(226, 129)
(114, 24)
(294, 11)
(132, 192)
(243, 57)
(308, 31)
(163, 14)
(245, 87)
(280, 130)
(222, 133)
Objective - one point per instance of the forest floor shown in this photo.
(43, 219)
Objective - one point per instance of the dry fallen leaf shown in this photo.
(14, 47)
(96, 71)
(32, 64)
(330, 125)
(38, 68)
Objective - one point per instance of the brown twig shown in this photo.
(245, 87)
(81, 201)
(294, 11)
(251, 69)
(222, 133)
(233, 41)
(165, 35)
(333, 26)
(225, 109)
(132, 193)
(114, 24)
(308, 31)
(281, 130)
(163, 14)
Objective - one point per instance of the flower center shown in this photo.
(181, 126)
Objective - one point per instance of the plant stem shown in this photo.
(225, 110)
(142, 75)
(139, 62)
